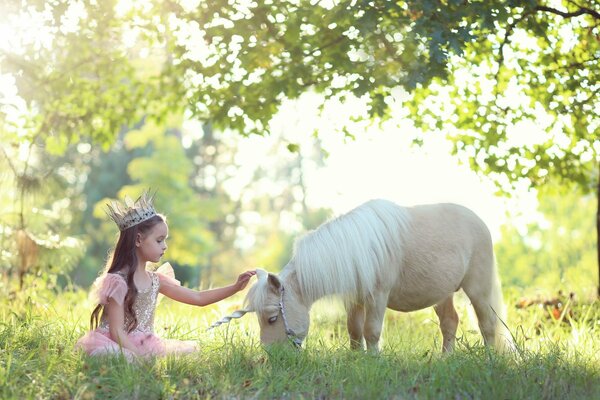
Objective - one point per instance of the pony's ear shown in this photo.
(261, 274)
(274, 282)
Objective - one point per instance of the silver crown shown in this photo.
(131, 213)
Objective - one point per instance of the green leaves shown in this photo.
(293, 148)
(538, 79)
(82, 84)
(234, 64)
(555, 251)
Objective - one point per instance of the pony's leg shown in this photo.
(448, 322)
(486, 316)
(375, 311)
(487, 321)
(355, 323)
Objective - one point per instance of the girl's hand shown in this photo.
(243, 279)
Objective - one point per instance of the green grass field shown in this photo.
(558, 356)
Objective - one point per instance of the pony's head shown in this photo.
(281, 315)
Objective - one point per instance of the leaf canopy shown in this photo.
(474, 69)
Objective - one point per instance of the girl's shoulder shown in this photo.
(110, 285)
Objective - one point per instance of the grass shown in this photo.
(556, 357)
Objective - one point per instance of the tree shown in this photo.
(496, 63)
(103, 178)
(69, 81)
(472, 68)
(38, 203)
(75, 78)
(212, 156)
(165, 167)
(554, 250)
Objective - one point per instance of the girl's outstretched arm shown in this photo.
(204, 297)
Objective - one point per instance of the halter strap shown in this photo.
(291, 335)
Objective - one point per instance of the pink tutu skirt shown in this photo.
(100, 342)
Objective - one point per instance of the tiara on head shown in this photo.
(131, 213)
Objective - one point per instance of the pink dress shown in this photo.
(100, 342)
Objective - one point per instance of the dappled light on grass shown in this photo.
(553, 359)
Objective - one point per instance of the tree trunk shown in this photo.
(598, 231)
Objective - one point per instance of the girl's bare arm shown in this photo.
(205, 297)
(116, 320)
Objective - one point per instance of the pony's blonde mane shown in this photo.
(351, 254)
(348, 255)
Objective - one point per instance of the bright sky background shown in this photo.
(381, 163)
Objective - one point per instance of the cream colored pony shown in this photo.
(379, 256)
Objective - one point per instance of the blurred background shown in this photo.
(258, 121)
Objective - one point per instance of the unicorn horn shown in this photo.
(228, 318)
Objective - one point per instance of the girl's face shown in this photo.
(152, 245)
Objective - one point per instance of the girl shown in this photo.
(123, 320)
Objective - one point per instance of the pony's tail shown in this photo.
(503, 336)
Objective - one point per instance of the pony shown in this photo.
(381, 255)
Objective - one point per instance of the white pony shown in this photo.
(381, 255)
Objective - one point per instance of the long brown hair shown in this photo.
(124, 259)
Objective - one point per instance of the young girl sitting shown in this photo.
(127, 293)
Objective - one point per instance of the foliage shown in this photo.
(65, 76)
(166, 170)
(222, 215)
(34, 222)
(556, 250)
(93, 68)
(268, 51)
(212, 155)
(38, 331)
(520, 101)
(475, 68)
(105, 177)
(75, 79)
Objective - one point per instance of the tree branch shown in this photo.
(589, 99)
(507, 33)
(8, 160)
(575, 64)
(329, 44)
(583, 10)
